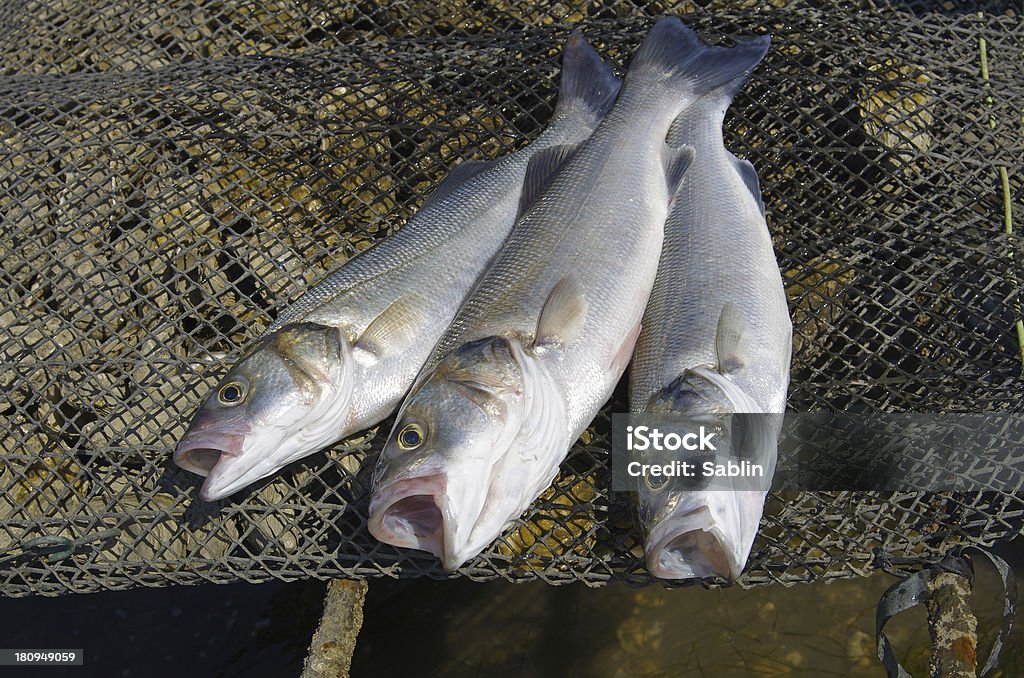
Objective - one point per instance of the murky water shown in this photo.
(465, 629)
(462, 628)
(232, 630)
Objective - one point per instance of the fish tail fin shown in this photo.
(588, 85)
(674, 56)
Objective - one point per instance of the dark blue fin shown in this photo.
(543, 165)
(749, 176)
(458, 175)
(678, 60)
(588, 85)
(677, 160)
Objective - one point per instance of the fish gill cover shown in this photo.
(172, 175)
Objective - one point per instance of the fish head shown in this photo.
(433, 488)
(694, 530)
(284, 399)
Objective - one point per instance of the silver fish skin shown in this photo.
(342, 356)
(716, 341)
(541, 342)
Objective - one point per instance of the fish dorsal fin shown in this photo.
(392, 330)
(562, 316)
(733, 340)
(749, 176)
(458, 175)
(677, 160)
(543, 165)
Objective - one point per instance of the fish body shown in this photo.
(716, 341)
(341, 357)
(539, 345)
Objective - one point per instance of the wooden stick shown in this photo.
(953, 628)
(334, 642)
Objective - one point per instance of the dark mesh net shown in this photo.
(172, 174)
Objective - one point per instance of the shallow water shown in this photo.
(239, 629)
(466, 629)
(463, 628)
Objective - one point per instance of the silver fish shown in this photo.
(717, 340)
(341, 357)
(540, 343)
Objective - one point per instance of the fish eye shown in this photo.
(231, 393)
(656, 482)
(411, 437)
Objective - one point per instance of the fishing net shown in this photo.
(173, 174)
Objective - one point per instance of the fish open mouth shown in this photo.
(409, 514)
(694, 549)
(199, 452)
(694, 554)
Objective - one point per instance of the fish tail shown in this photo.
(588, 85)
(687, 67)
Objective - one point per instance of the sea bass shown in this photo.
(341, 357)
(716, 341)
(538, 346)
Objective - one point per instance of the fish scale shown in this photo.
(716, 341)
(387, 308)
(563, 299)
(568, 233)
(716, 225)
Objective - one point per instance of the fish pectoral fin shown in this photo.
(392, 330)
(625, 352)
(562, 317)
(543, 165)
(677, 161)
(749, 176)
(457, 176)
(732, 342)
